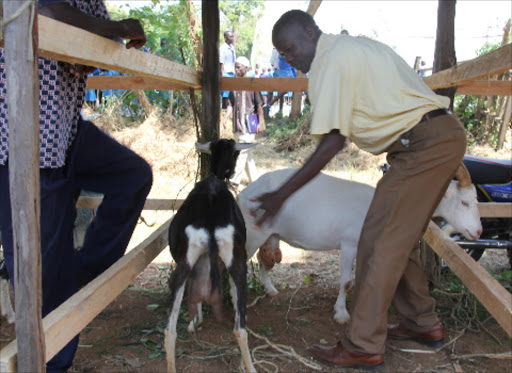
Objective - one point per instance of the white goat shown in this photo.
(328, 213)
(206, 235)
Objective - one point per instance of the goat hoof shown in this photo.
(342, 318)
(272, 293)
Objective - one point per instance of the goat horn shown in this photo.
(203, 147)
(462, 175)
(245, 145)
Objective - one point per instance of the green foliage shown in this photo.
(290, 135)
(469, 109)
(161, 20)
(240, 17)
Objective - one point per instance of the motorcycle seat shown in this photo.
(488, 170)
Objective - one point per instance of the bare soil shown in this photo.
(128, 335)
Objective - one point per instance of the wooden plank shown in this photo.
(264, 84)
(492, 63)
(151, 204)
(494, 297)
(22, 82)
(486, 88)
(61, 325)
(495, 210)
(226, 84)
(58, 41)
(132, 83)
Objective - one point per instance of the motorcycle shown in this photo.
(493, 181)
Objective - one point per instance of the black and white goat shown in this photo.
(206, 234)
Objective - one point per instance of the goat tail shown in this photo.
(213, 252)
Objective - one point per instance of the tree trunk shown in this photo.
(211, 82)
(444, 55)
(194, 30)
(444, 58)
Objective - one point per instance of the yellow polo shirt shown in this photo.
(367, 91)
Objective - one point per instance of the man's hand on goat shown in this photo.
(270, 203)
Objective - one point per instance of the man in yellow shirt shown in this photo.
(381, 107)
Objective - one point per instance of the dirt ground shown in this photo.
(128, 335)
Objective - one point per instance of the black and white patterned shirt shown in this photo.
(61, 99)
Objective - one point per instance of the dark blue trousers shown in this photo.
(96, 163)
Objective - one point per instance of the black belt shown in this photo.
(435, 113)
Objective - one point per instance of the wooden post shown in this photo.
(211, 79)
(444, 55)
(505, 123)
(22, 80)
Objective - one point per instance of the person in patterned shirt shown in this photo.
(74, 155)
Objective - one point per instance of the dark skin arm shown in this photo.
(117, 30)
(270, 203)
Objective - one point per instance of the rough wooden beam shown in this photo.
(486, 88)
(495, 210)
(151, 204)
(264, 84)
(494, 297)
(132, 83)
(22, 80)
(226, 84)
(58, 41)
(61, 325)
(490, 64)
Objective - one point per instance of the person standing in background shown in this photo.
(246, 107)
(227, 57)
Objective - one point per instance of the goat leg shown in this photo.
(178, 289)
(238, 282)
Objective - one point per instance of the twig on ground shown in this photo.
(285, 350)
(289, 305)
(489, 332)
(256, 300)
(498, 356)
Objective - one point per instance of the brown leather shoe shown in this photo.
(432, 338)
(338, 356)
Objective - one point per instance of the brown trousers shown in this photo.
(388, 269)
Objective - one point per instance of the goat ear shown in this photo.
(245, 145)
(203, 147)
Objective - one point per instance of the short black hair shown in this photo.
(227, 32)
(294, 16)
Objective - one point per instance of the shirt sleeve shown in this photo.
(333, 94)
(222, 55)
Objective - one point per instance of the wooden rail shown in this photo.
(494, 297)
(57, 40)
(485, 66)
(66, 321)
(487, 210)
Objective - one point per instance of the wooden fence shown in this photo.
(56, 40)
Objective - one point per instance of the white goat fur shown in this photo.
(328, 213)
